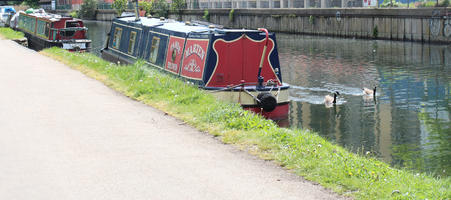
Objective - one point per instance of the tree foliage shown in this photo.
(88, 9)
(32, 3)
(120, 6)
(178, 5)
(146, 6)
(161, 8)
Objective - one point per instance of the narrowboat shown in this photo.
(47, 30)
(235, 65)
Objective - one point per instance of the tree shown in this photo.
(161, 8)
(32, 3)
(120, 6)
(88, 9)
(146, 6)
(177, 6)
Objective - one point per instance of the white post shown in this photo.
(307, 3)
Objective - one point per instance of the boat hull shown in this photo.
(38, 43)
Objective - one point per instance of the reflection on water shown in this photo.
(97, 32)
(407, 124)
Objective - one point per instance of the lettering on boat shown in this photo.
(194, 58)
(192, 67)
(195, 49)
(174, 54)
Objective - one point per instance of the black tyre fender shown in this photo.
(267, 101)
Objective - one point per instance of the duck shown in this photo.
(367, 91)
(331, 100)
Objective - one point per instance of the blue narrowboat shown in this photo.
(236, 65)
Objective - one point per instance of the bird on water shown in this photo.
(367, 91)
(329, 100)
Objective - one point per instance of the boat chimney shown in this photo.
(136, 11)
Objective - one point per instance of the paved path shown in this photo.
(66, 136)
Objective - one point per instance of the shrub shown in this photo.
(120, 6)
(232, 15)
(311, 19)
(146, 6)
(88, 9)
(74, 14)
(444, 3)
(206, 15)
(375, 32)
(161, 8)
(32, 3)
(177, 6)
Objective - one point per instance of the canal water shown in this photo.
(406, 125)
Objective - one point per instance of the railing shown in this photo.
(64, 7)
(108, 6)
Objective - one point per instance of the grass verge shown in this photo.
(10, 34)
(304, 152)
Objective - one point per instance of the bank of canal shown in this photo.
(407, 126)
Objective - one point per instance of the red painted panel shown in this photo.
(174, 55)
(239, 60)
(281, 112)
(194, 58)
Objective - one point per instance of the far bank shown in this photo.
(420, 24)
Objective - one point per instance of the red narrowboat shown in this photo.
(47, 30)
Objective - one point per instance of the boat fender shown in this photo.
(267, 101)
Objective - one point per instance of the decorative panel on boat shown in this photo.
(194, 58)
(239, 59)
(174, 54)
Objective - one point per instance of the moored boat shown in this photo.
(236, 65)
(5, 13)
(47, 30)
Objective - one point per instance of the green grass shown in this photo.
(304, 152)
(10, 34)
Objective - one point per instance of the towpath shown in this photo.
(66, 136)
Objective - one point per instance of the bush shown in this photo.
(120, 6)
(32, 3)
(444, 3)
(178, 5)
(74, 14)
(232, 15)
(146, 6)
(88, 9)
(206, 15)
(161, 8)
(375, 32)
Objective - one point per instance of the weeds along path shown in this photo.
(66, 136)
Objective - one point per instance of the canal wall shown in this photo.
(419, 24)
(422, 24)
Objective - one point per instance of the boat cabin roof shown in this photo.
(51, 17)
(177, 26)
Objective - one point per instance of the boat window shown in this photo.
(154, 49)
(47, 29)
(131, 43)
(117, 37)
(70, 24)
(43, 28)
